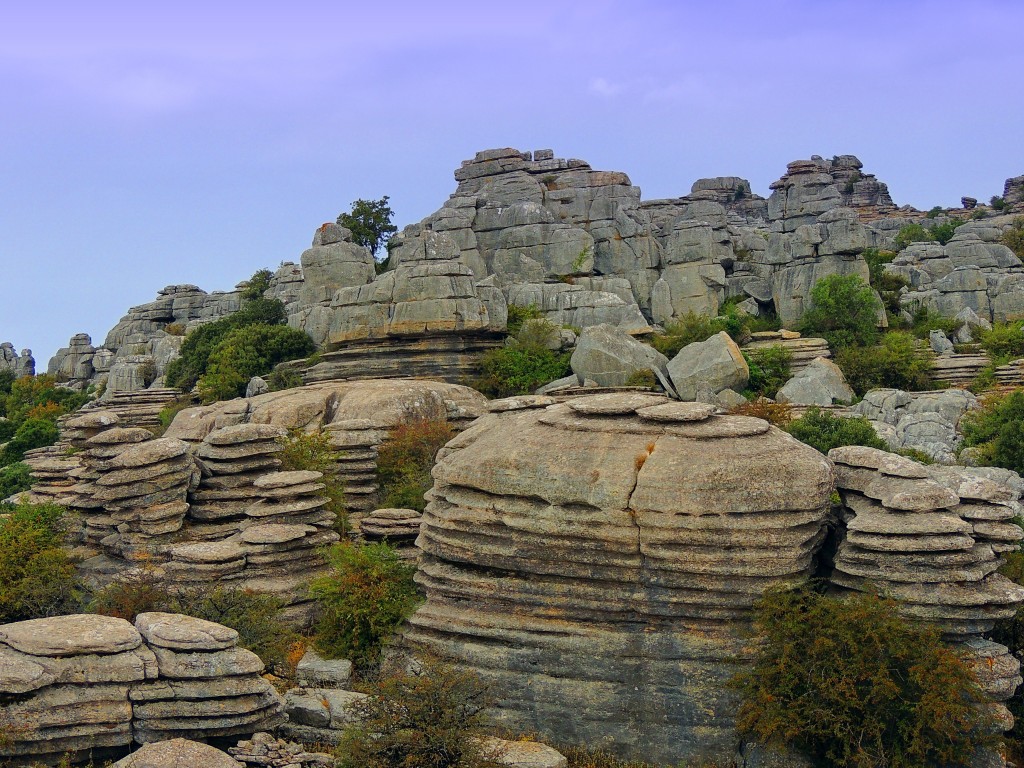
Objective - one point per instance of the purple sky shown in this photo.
(143, 147)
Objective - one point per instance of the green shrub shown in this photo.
(899, 362)
(1004, 342)
(643, 378)
(257, 285)
(769, 370)
(849, 682)
(518, 315)
(14, 478)
(518, 369)
(246, 352)
(823, 431)
(691, 328)
(405, 459)
(943, 233)
(913, 233)
(924, 320)
(430, 717)
(1013, 238)
(32, 433)
(37, 578)
(315, 452)
(997, 203)
(935, 212)
(367, 593)
(185, 371)
(284, 377)
(997, 428)
(843, 310)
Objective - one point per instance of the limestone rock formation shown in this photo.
(820, 382)
(923, 421)
(705, 368)
(609, 356)
(174, 753)
(599, 567)
(19, 365)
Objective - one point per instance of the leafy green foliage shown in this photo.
(1004, 341)
(315, 452)
(284, 377)
(899, 362)
(851, 683)
(370, 223)
(935, 212)
(691, 328)
(943, 233)
(643, 378)
(246, 352)
(844, 311)
(195, 351)
(519, 369)
(1013, 238)
(259, 283)
(14, 478)
(997, 202)
(367, 593)
(32, 433)
(769, 370)
(924, 320)
(31, 405)
(997, 428)
(887, 284)
(431, 717)
(37, 578)
(405, 459)
(912, 233)
(518, 315)
(823, 431)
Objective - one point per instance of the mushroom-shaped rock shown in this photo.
(75, 635)
(186, 633)
(174, 753)
(597, 561)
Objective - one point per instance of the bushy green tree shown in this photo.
(769, 370)
(997, 428)
(899, 362)
(823, 431)
(14, 478)
(259, 283)
(843, 310)
(912, 233)
(249, 351)
(366, 594)
(370, 223)
(849, 682)
(31, 433)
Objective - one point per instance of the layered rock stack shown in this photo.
(931, 537)
(803, 351)
(207, 686)
(357, 442)
(23, 365)
(64, 683)
(398, 527)
(87, 684)
(232, 459)
(139, 408)
(597, 561)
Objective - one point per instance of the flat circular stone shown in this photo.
(677, 412)
(120, 436)
(520, 403)
(178, 632)
(275, 534)
(19, 674)
(286, 479)
(93, 420)
(244, 433)
(74, 635)
(177, 752)
(208, 552)
(720, 427)
(149, 453)
(614, 403)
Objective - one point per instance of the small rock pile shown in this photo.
(264, 750)
(207, 687)
(931, 537)
(232, 459)
(64, 682)
(395, 526)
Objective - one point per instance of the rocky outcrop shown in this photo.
(1013, 191)
(614, 524)
(83, 684)
(609, 357)
(20, 365)
(705, 368)
(175, 753)
(922, 421)
(820, 382)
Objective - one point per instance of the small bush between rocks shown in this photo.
(405, 459)
(913, 233)
(997, 429)
(367, 594)
(518, 315)
(900, 362)
(844, 311)
(691, 328)
(249, 351)
(37, 578)
(1013, 238)
(284, 377)
(769, 371)
(823, 431)
(1004, 341)
(643, 378)
(925, 320)
(14, 478)
(314, 451)
(849, 682)
(777, 414)
(431, 717)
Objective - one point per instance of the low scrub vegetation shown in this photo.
(823, 431)
(691, 328)
(1013, 238)
(37, 578)
(844, 311)
(366, 594)
(997, 431)
(432, 716)
(935, 233)
(848, 682)
(769, 370)
(314, 451)
(1004, 342)
(526, 362)
(405, 459)
(899, 361)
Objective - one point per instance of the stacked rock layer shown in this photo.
(599, 568)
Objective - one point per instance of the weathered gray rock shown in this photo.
(610, 356)
(820, 383)
(177, 632)
(939, 343)
(175, 753)
(316, 672)
(709, 366)
(256, 386)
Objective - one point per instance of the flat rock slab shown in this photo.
(313, 670)
(175, 753)
(19, 674)
(120, 436)
(173, 630)
(275, 534)
(151, 452)
(71, 635)
(525, 754)
(287, 479)
(178, 665)
(244, 433)
(208, 552)
(677, 412)
(93, 420)
(613, 404)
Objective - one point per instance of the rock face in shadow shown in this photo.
(597, 561)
